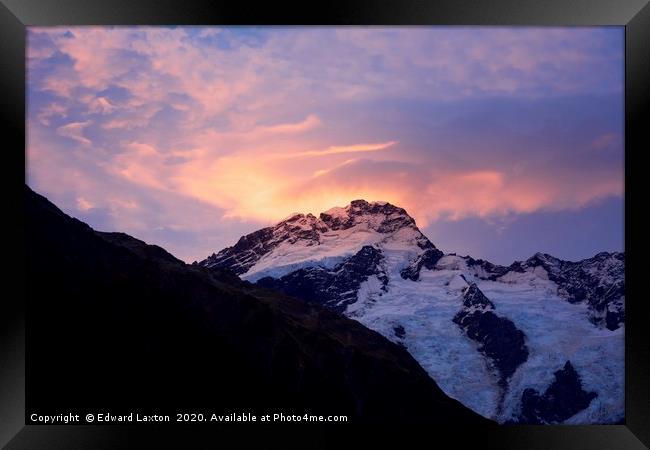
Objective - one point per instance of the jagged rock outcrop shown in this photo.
(498, 338)
(561, 400)
(428, 260)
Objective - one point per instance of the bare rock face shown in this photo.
(498, 337)
(428, 260)
(334, 288)
(562, 399)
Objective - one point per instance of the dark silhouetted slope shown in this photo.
(114, 322)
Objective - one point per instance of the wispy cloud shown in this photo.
(74, 130)
(338, 149)
(310, 122)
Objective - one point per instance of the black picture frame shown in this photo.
(634, 15)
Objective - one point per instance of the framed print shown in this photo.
(344, 219)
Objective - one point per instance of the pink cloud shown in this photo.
(100, 105)
(74, 130)
(49, 111)
(84, 204)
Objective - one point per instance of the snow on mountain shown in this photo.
(503, 340)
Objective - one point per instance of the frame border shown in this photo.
(634, 15)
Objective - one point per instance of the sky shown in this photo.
(499, 141)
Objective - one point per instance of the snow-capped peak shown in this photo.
(303, 240)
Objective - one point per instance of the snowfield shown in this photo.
(556, 331)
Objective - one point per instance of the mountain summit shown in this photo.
(306, 240)
(489, 335)
(379, 216)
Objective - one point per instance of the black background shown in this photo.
(15, 15)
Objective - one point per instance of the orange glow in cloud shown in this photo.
(256, 132)
(264, 189)
(250, 186)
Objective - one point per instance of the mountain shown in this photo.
(116, 323)
(494, 337)
(300, 239)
